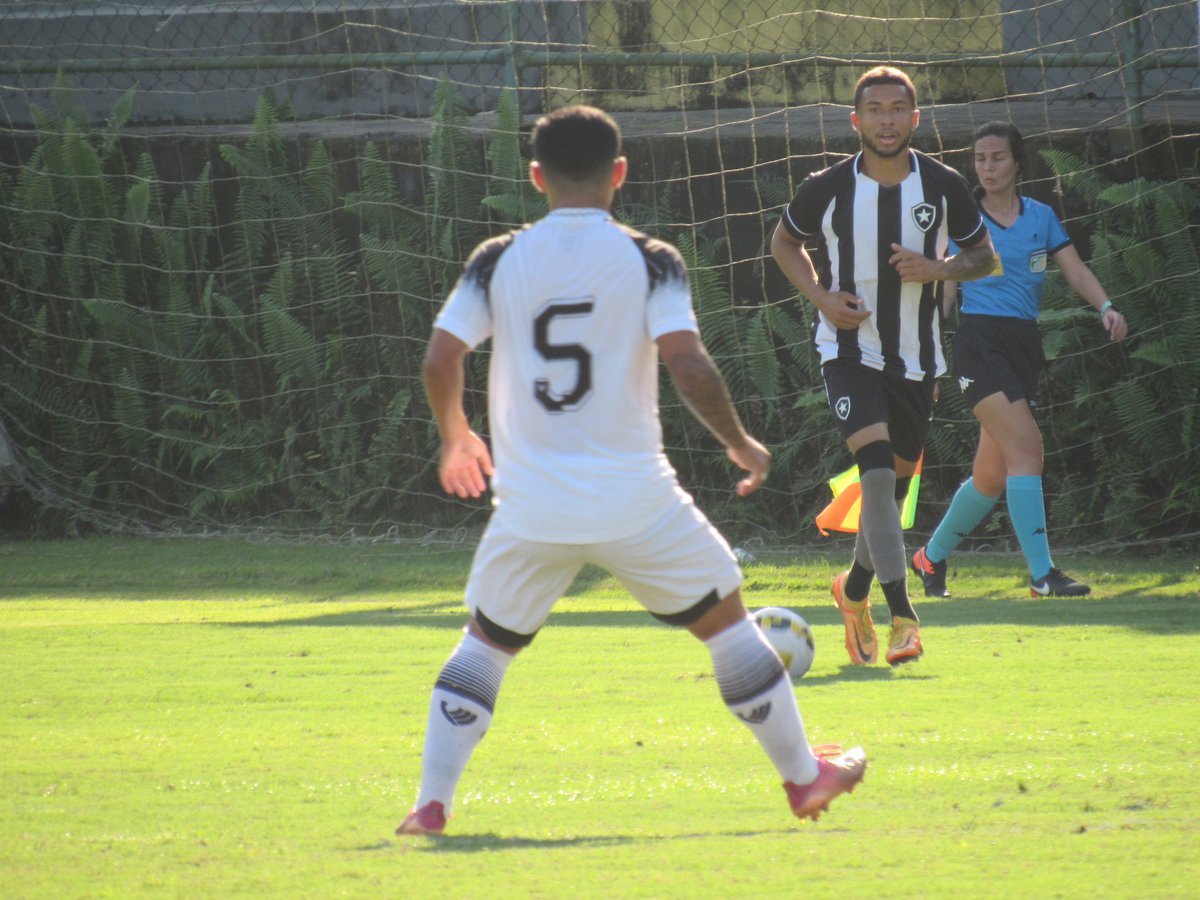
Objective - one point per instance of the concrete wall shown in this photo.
(216, 52)
(910, 28)
(137, 35)
(1101, 26)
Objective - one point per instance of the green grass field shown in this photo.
(216, 719)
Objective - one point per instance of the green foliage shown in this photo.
(173, 368)
(175, 358)
(511, 197)
(455, 189)
(95, 284)
(1125, 446)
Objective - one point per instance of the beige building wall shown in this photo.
(910, 31)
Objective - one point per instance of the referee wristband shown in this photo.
(1106, 307)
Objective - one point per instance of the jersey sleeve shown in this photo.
(1056, 235)
(467, 313)
(802, 216)
(965, 223)
(669, 301)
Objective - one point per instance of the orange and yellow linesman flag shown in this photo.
(843, 511)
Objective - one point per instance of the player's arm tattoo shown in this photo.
(702, 389)
(968, 265)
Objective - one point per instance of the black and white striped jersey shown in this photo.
(856, 220)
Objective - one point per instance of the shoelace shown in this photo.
(825, 751)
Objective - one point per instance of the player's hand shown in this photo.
(463, 466)
(1115, 325)
(914, 267)
(843, 310)
(755, 459)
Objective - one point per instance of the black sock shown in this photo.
(896, 593)
(858, 582)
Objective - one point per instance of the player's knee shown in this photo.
(497, 635)
(875, 455)
(693, 614)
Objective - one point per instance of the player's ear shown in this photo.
(916, 117)
(537, 176)
(854, 121)
(620, 170)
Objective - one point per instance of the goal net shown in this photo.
(226, 227)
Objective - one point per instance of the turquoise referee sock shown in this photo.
(1027, 509)
(968, 508)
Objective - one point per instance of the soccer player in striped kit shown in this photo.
(883, 220)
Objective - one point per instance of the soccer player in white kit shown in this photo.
(579, 309)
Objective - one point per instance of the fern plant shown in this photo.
(511, 197)
(162, 365)
(96, 281)
(1127, 415)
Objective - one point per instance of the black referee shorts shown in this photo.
(998, 354)
(860, 396)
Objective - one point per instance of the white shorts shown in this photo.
(670, 568)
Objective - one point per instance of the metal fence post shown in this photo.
(512, 69)
(1131, 68)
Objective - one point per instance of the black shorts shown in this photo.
(998, 354)
(860, 396)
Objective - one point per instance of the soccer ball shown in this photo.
(790, 635)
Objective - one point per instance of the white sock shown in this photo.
(756, 688)
(460, 712)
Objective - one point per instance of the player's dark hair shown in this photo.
(884, 75)
(1016, 144)
(578, 143)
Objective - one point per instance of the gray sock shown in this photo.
(879, 524)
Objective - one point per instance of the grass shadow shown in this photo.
(490, 842)
(486, 843)
(1138, 610)
(317, 581)
(851, 672)
(396, 617)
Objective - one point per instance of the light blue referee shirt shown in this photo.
(1014, 288)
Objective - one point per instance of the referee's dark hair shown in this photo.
(576, 142)
(884, 75)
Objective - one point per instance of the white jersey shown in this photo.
(573, 304)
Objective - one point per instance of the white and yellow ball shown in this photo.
(789, 634)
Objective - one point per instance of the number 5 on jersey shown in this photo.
(555, 352)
